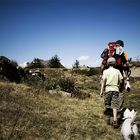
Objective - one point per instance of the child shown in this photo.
(110, 83)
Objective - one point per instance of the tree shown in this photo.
(55, 62)
(8, 69)
(36, 63)
(14, 63)
(76, 64)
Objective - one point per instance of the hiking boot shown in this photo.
(108, 112)
(115, 124)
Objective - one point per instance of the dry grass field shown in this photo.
(29, 112)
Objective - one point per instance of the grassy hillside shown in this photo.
(28, 111)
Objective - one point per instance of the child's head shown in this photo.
(111, 61)
(120, 42)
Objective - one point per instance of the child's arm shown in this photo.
(102, 87)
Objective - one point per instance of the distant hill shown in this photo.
(45, 63)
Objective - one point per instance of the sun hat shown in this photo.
(111, 60)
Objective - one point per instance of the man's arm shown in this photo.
(120, 82)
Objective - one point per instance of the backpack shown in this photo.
(113, 50)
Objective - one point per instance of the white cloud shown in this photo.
(83, 57)
(23, 65)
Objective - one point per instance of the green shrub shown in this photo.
(80, 94)
(92, 71)
(87, 72)
(67, 84)
(51, 83)
(8, 70)
(54, 80)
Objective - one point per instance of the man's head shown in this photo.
(111, 61)
(120, 42)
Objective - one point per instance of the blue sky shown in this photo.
(72, 29)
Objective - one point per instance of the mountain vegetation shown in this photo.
(55, 62)
(64, 106)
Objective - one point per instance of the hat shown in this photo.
(111, 60)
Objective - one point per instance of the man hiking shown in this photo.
(111, 80)
(116, 50)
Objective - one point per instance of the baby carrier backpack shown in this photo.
(113, 50)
